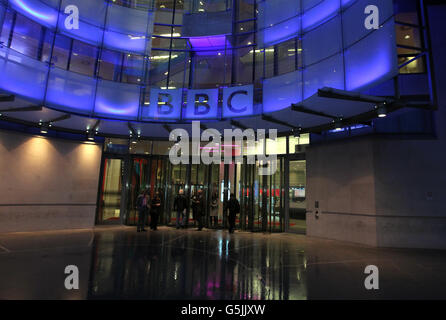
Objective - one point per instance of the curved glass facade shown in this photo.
(123, 52)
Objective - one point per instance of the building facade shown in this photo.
(92, 90)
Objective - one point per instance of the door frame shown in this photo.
(289, 158)
(123, 208)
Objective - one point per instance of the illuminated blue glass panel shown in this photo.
(51, 3)
(2, 17)
(86, 32)
(277, 24)
(22, 75)
(279, 32)
(322, 42)
(238, 101)
(70, 91)
(124, 42)
(282, 91)
(92, 12)
(308, 4)
(353, 19)
(117, 100)
(37, 11)
(164, 104)
(320, 13)
(345, 3)
(372, 59)
(127, 20)
(328, 73)
(207, 104)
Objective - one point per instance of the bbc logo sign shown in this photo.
(201, 103)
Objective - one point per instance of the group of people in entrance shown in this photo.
(144, 205)
(181, 204)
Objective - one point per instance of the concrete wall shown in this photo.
(47, 184)
(399, 185)
(379, 192)
(340, 177)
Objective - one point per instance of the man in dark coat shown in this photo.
(180, 206)
(155, 211)
(233, 206)
(199, 205)
(142, 205)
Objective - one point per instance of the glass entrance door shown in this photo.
(275, 194)
(261, 198)
(147, 173)
(109, 206)
(297, 196)
(139, 181)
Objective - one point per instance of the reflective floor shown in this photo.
(118, 263)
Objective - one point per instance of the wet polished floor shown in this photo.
(119, 263)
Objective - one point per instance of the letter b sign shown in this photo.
(164, 104)
(202, 104)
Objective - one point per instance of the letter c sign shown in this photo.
(238, 101)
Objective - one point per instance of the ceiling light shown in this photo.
(44, 128)
(90, 135)
(338, 124)
(382, 112)
(296, 132)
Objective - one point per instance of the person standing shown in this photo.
(155, 211)
(194, 205)
(200, 209)
(142, 205)
(233, 207)
(180, 206)
(214, 210)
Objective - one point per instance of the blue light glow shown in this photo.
(209, 43)
(120, 100)
(366, 63)
(31, 11)
(282, 91)
(279, 32)
(22, 75)
(372, 59)
(275, 23)
(86, 32)
(122, 42)
(70, 91)
(36, 9)
(319, 13)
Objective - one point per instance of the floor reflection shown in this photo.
(119, 263)
(191, 265)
